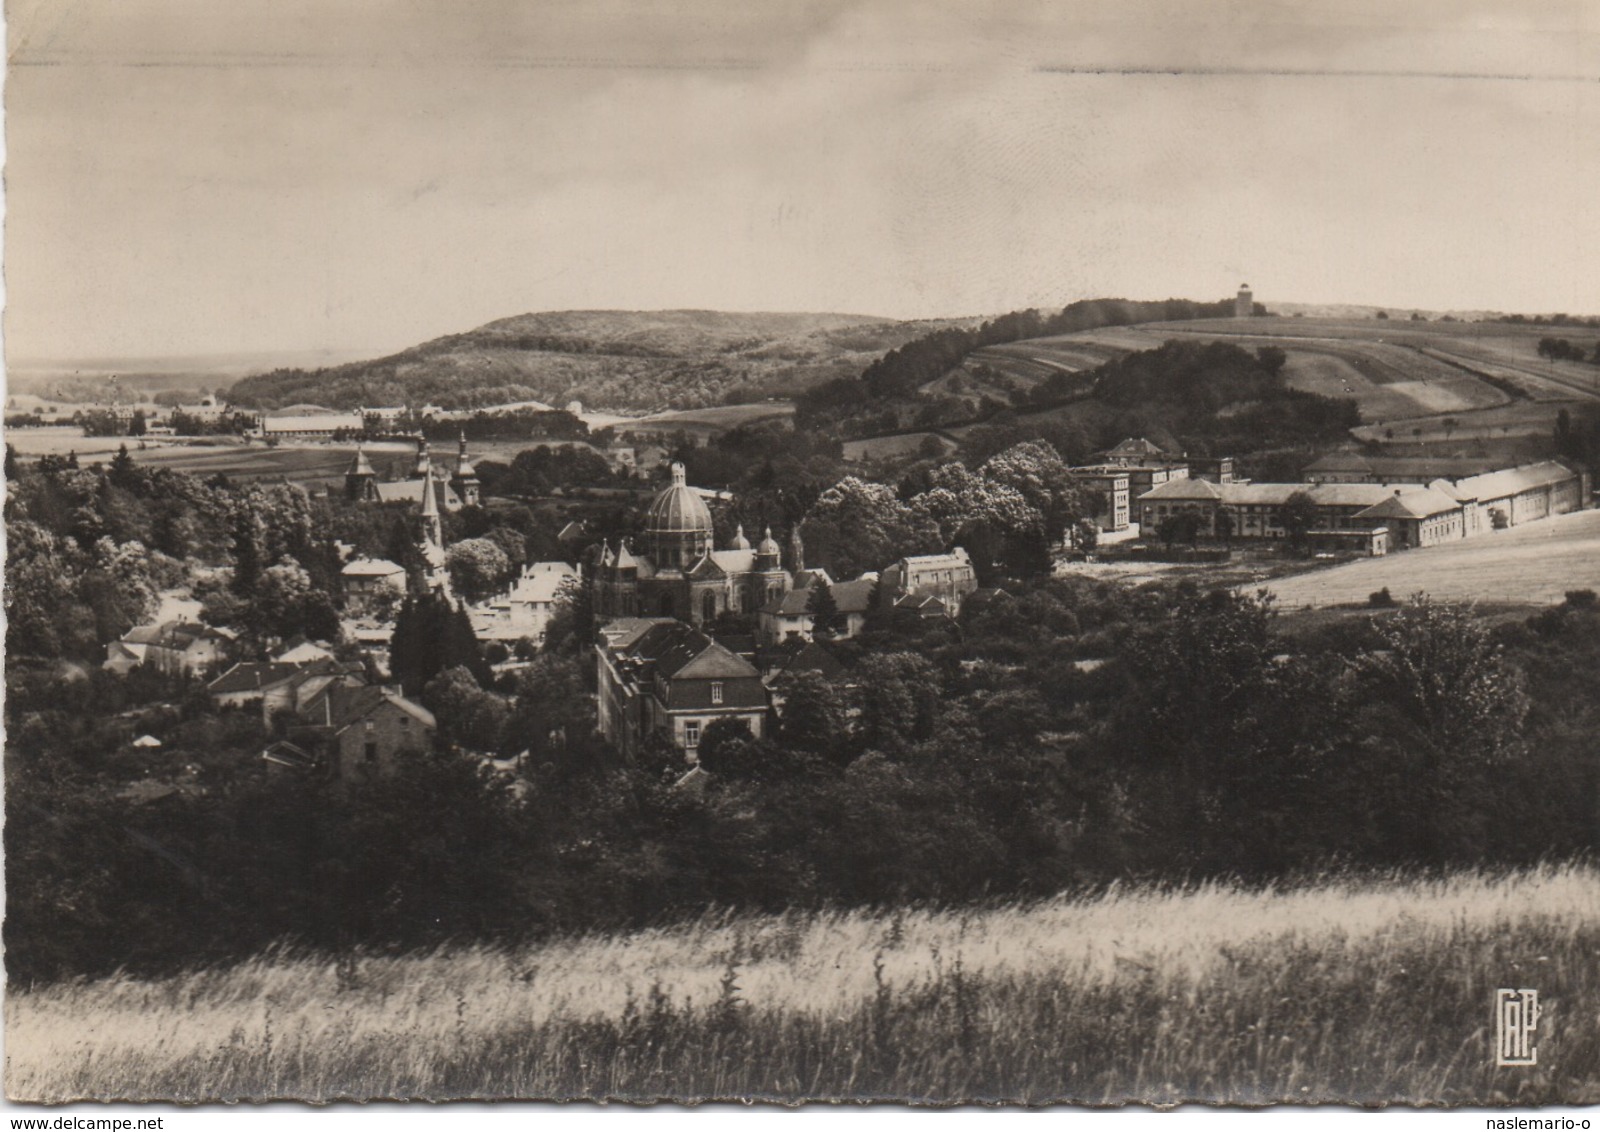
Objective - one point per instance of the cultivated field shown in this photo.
(231, 457)
(1487, 377)
(1534, 564)
(1351, 990)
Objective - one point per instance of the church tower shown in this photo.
(360, 481)
(466, 477)
(424, 464)
(432, 545)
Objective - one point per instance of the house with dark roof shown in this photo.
(788, 616)
(664, 678)
(794, 658)
(353, 734)
(248, 681)
(948, 577)
(172, 647)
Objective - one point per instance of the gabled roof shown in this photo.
(1184, 489)
(683, 653)
(735, 560)
(250, 676)
(339, 706)
(790, 604)
(854, 596)
(1136, 449)
(1512, 481)
(624, 633)
(1417, 504)
(287, 754)
(706, 569)
(372, 568)
(811, 657)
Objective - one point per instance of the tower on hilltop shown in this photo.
(1244, 306)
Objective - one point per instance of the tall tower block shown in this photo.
(1245, 305)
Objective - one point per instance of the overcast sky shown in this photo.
(194, 176)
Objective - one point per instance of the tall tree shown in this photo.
(824, 609)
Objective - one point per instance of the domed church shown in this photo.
(678, 572)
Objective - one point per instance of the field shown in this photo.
(1534, 564)
(237, 460)
(1372, 991)
(1486, 378)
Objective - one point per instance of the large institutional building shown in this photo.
(679, 573)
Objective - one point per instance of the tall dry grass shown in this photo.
(1376, 990)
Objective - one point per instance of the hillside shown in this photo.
(624, 361)
(1348, 990)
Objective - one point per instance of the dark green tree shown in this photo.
(1298, 515)
(824, 609)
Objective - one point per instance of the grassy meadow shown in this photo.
(1534, 564)
(1370, 990)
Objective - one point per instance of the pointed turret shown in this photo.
(465, 480)
(432, 528)
(360, 481)
(424, 464)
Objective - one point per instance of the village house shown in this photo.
(299, 650)
(660, 677)
(789, 617)
(948, 577)
(172, 648)
(248, 682)
(1145, 464)
(353, 734)
(277, 687)
(368, 577)
(524, 611)
(1109, 493)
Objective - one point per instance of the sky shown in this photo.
(193, 177)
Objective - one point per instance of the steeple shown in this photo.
(430, 506)
(360, 481)
(466, 477)
(424, 463)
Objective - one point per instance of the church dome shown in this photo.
(768, 547)
(678, 510)
(739, 541)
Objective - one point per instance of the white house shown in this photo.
(526, 608)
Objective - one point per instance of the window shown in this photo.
(371, 727)
(405, 722)
(691, 734)
(371, 751)
(716, 691)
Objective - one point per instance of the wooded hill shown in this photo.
(635, 361)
